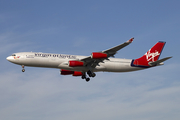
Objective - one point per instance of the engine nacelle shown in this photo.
(98, 55)
(75, 63)
(76, 73)
(68, 72)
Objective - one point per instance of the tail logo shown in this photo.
(151, 56)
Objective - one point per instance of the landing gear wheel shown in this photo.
(23, 70)
(89, 73)
(93, 75)
(83, 77)
(87, 79)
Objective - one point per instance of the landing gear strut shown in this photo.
(23, 70)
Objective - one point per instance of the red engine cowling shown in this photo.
(98, 55)
(76, 73)
(73, 73)
(75, 63)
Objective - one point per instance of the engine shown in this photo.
(98, 55)
(68, 72)
(77, 73)
(75, 63)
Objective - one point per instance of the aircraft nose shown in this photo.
(9, 58)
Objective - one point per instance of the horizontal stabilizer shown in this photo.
(158, 61)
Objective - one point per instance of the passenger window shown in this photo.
(13, 55)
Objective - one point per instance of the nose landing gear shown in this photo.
(23, 70)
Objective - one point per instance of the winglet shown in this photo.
(130, 40)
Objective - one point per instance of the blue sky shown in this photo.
(81, 27)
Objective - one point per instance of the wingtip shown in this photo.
(170, 57)
(130, 40)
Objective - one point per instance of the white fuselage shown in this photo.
(61, 61)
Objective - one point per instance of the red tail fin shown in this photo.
(151, 56)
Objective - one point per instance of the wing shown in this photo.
(92, 63)
(113, 51)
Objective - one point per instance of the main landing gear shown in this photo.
(23, 70)
(90, 74)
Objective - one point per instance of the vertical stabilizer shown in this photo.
(151, 56)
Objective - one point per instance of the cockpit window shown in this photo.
(13, 55)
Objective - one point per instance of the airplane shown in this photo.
(86, 66)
